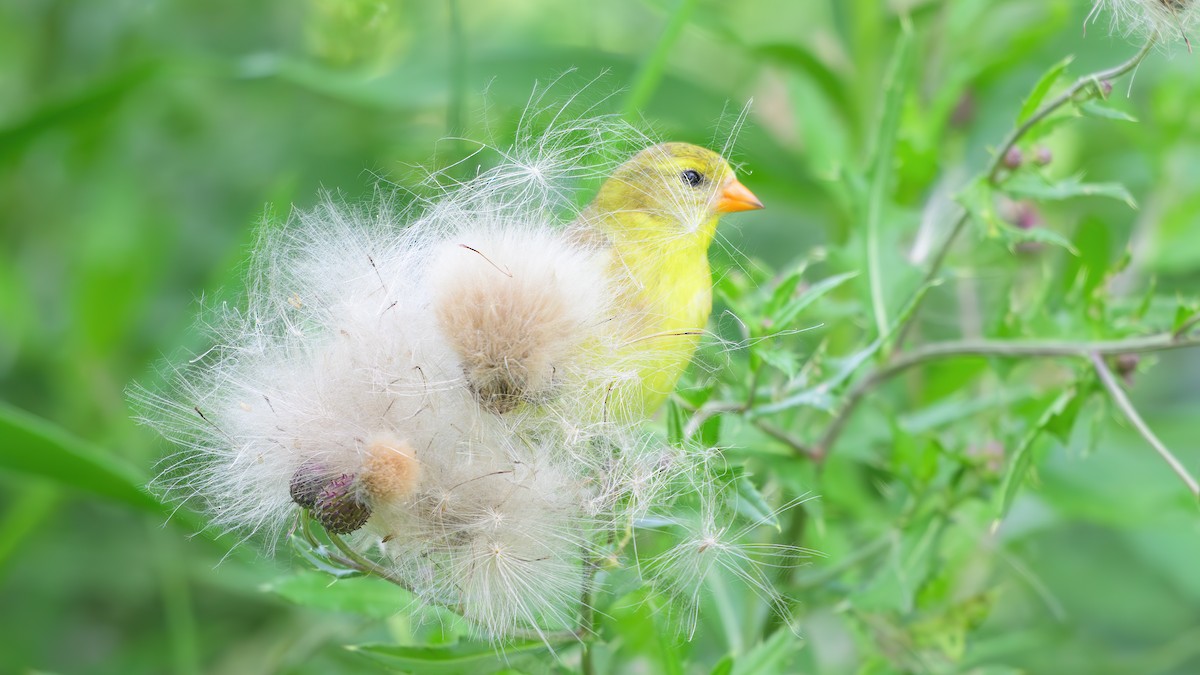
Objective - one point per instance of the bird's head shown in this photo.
(671, 191)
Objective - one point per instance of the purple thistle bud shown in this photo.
(1013, 158)
(1042, 156)
(1026, 216)
(339, 508)
(1126, 367)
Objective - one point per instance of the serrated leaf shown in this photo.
(783, 360)
(1022, 456)
(752, 505)
(1041, 89)
(1094, 108)
(783, 292)
(473, 658)
(820, 396)
(362, 595)
(791, 310)
(1042, 235)
(1183, 314)
(1035, 187)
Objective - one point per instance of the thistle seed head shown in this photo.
(391, 470)
(1163, 20)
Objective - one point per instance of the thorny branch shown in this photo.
(994, 348)
(1126, 407)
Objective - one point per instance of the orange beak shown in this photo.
(735, 197)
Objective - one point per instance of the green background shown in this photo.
(142, 142)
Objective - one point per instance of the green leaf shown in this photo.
(821, 396)
(784, 360)
(1094, 108)
(1041, 89)
(791, 310)
(896, 90)
(1022, 457)
(676, 423)
(1015, 235)
(463, 657)
(752, 505)
(362, 595)
(1184, 314)
(36, 446)
(724, 666)
(769, 655)
(1035, 187)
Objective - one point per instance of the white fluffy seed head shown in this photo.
(451, 370)
(1163, 20)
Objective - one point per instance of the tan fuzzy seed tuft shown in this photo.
(391, 470)
(516, 308)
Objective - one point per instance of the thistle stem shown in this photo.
(994, 348)
(1126, 407)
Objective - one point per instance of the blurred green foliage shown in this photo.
(141, 143)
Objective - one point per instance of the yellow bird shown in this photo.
(657, 214)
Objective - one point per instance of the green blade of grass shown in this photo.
(35, 446)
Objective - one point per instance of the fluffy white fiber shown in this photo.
(1163, 20)
(434, 383)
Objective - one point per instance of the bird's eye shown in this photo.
(692, 177)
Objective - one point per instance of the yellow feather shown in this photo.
(657, 214)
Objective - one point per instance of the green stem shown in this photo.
(655, 65)
(993, 348)
(458, 70)
(180, 616)
(1126, 407)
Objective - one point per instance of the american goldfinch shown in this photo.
(657, 215)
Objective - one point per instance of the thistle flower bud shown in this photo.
(1025, 215)
(1042, 156)
(1126, 366)
(307, 483)
(1013, 158)
(339, 508)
